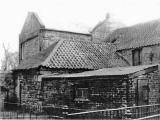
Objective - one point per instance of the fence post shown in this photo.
(65, 111)
(128, 114)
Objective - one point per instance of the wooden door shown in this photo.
(143, 92)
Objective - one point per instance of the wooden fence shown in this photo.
(135, 112)
(17, 111)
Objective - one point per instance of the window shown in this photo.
(136, 57)
(82, 93)
(22, 52)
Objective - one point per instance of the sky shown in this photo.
(70, 15)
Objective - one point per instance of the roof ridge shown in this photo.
(141, 23)
(67, 31)
(135, 36)
(52, 53)
(93, 42)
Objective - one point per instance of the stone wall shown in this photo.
(30, 47)
(148, 89)
(107, 93)
(29, 89)
(31, 26)
(110, 93)
(154, 87)
(100, 33)
(39, 41)
(57, 92)
(32, 90)
(149, 55)
(50, 36)
(101, 93)
(61, 92)
(104, 28)
(131, 91)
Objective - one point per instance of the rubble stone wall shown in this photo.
(30, 47)
(50, 36)
(149, 55)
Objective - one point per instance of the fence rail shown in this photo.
(152, 117)
(120, 113)
(17, 111)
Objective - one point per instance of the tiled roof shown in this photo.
(136, 36)
(106, 72)
(72, 55)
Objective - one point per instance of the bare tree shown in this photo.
(8, 63)
(10, 60)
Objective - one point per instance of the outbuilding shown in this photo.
(103, 88)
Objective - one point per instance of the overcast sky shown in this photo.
(69, 14)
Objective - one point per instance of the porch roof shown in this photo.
(117, 71)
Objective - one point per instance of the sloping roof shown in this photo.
(110, 23)
(105, 72)
(136, 36)
(36, 60)
(97, 25)
(72, 55)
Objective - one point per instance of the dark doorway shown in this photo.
(136, 57)
(143, 92)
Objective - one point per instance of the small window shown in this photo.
(82, 93)
(22, 52)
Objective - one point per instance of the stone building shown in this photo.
(138, 44)
(34, 37)
(45, 51)
(103, 88)
(104, 28)
(57, 68)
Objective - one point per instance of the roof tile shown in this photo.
(72, 55)
(136, 36)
